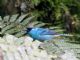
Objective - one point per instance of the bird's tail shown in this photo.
(63, 35)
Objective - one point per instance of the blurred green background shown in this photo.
(60, 15)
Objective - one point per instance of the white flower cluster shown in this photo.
(25, 48)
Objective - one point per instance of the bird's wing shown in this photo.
(47, 32)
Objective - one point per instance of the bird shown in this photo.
(42, 34)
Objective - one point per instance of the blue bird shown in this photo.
(42, 34)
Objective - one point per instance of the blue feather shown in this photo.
(46, 31)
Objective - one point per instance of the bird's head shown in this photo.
(28, 30)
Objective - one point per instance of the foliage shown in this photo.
(55, 13)
(60, 15)
(17, 25)
(62, 45)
